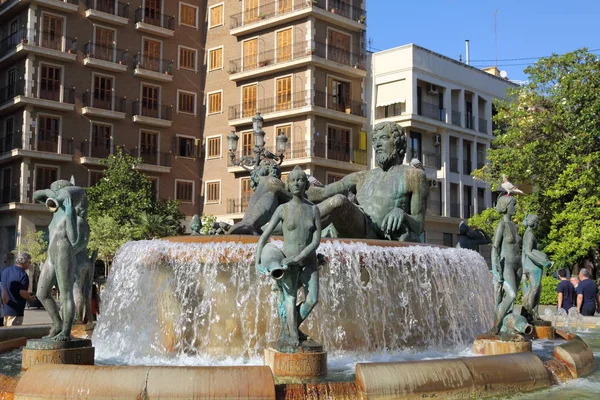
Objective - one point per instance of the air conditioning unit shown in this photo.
(437, 140)
(432, 89)
(433, 183)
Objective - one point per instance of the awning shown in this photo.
(390, 93)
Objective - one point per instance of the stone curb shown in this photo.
(26, 331)
(577, 356)
(11, 344)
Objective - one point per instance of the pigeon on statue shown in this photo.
(416, 163)
(508, 187)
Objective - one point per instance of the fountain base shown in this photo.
(83, 331)
(543, 330)
(493, 347)
(306, 360)
(40, 351)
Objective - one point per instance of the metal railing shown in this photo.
(10, 141)
(338, 103)
(48, 142)
(150, 16)
(282, 7)
(10, 194)
(237, 206)
(455, 210)
(153, 64)
(483, 128)
(456, 116)
(34, 37)
(292, 52)
(432, 160)
(108, 6)
(97, 150)
(43, 91)
(453, 164)
(153, 111)
(152, 156)
(467, 166)
(339, 55)
(111, 103)
(432, 111)
(469, 121)
(105, 53)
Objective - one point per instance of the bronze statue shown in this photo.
(534, 262)
(471, 238)
(297, 263)
(69, 235)
(506, 261)
(391, 198)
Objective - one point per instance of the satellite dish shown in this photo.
(503, 74)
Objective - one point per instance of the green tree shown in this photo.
(207, 221)
(549, 140)
(107, 236)
(35, 244)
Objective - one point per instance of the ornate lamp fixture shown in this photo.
(261, 154)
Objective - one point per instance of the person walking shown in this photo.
(16, 282)
(588, 298)
(565, 290)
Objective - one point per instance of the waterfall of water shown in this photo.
(167, 299)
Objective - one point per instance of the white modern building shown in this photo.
(446, 108)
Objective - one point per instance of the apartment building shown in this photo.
(300, 64)
(79, 79)
(446, 108)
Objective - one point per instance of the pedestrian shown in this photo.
(575, 281)
(565, 290)
(588, 298)
(95, 302)
(4, 300)
(16, 283)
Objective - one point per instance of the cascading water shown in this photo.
(167, 299)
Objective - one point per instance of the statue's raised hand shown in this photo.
(68, 205)
(393, 221)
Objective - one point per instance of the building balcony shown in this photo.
(428, 159)
(453, 164)
(297, 103)
(92, 153)
(152, 160)
(432, 111)
(31, 41)
(483, 128)
(456, 117)
(108, 11)
(24, 93)
(467, 166)
(10, 194)
(237, 206)
(149, 21)
(273, 13)
(455, 210)
(108, 58)
(155, 115)
(113, 107)
(43, 146)
(153, 68)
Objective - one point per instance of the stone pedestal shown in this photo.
(308, 360)
(543, 330)
(495, 346)
(43, 351)
(83, 331)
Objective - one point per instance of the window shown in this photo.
(188, 15)
(250, 54)
(213, 192)
(187, 58)
(50, 82)
(246, 193)
(44, 176)
(338, 47)
(215, 59)
(153, 187)
(101, 137)
(213, 147)
(216, 16)
(184, 191)
(339, 98)
(150, 101)
(48, 134)
(151, 55)
(287, 131)
(11, 83)
(52, 32)
(6, 185)
(152, 11)
(249, 100)
(447, 240)
(415, 146)
(185, 147)
(333, 178)
(214, 102)
(103, 92)
(284, 44)
(251, 11)
(107, 6)
(247, 143)
(186, 102)
(149, 147)
(105, 42)
(9, 140)
(95, 177)
(338, 144)
(284, 93)
(285, 6)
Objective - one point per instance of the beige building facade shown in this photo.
(446, 109)
(301, 64)
(79, 79)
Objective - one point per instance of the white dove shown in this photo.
(416, 163)
(509, 187)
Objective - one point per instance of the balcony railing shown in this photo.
(237, 206)
(105, 53)
(34, 37)
(43, 91)
(392, 110)
(110, 102)
(455, 210)
(283, 7)
(432, 111)
(339, 55)
(152, 157)
(298, 100)
(153, 64)
(282, 54)
(153, 111)
(456, 115)
(469, 121)
(48, 142)
(483, 128)
(453, 164)
(97, 150)
(10, 141)
(432, 160)
(150, 16)
(108, 6)
(10, 194)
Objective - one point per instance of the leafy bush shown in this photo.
(548, 296)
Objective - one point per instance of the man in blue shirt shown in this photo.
(566, 291)
(587, 294)
(16, 284)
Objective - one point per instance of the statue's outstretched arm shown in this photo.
(496, 267)
(348, 183)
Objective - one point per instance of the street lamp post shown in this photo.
(261, 154)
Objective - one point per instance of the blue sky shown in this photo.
(526, 28)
